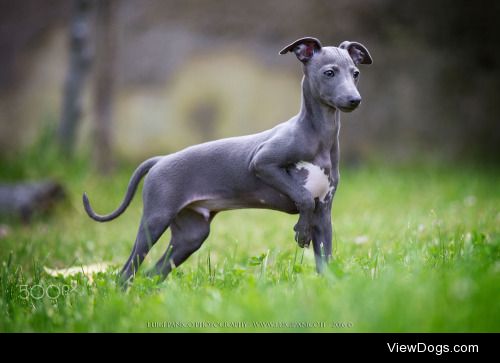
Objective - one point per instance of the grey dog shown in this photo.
(292, 168)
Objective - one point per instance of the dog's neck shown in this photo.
(315, 114)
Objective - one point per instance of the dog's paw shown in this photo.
(303, 234)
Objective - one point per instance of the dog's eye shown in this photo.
(329, 73)
(355, 74)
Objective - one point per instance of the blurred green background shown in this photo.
(188, 71)
(416, 217)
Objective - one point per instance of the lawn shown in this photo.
(416, 249)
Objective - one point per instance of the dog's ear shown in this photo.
(304, 48)
(357, 51)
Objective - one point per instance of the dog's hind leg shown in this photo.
(189, 231)
(150, 230)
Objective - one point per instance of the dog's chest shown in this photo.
(315, 179)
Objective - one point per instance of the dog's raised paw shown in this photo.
(302, 235)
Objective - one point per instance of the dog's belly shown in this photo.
(219, 204)
(312, 177)
(262, 199)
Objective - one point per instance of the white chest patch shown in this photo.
(317, 182)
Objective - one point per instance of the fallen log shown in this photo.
(24, 200)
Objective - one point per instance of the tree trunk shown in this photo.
(79, 64)
(104, 83)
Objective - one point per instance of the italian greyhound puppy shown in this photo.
(292, 168)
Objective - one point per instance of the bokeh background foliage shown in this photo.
(187, 71)
(416, 217)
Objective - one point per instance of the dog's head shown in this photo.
(331, 73)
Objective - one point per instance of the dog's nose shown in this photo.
(354, 102)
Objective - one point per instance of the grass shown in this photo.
(415, 249)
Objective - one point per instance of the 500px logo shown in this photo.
(51, 291)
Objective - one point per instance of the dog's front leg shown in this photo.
(322, 235)
(268, 168)
(322, 218)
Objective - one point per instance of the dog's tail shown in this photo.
(132, 187)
